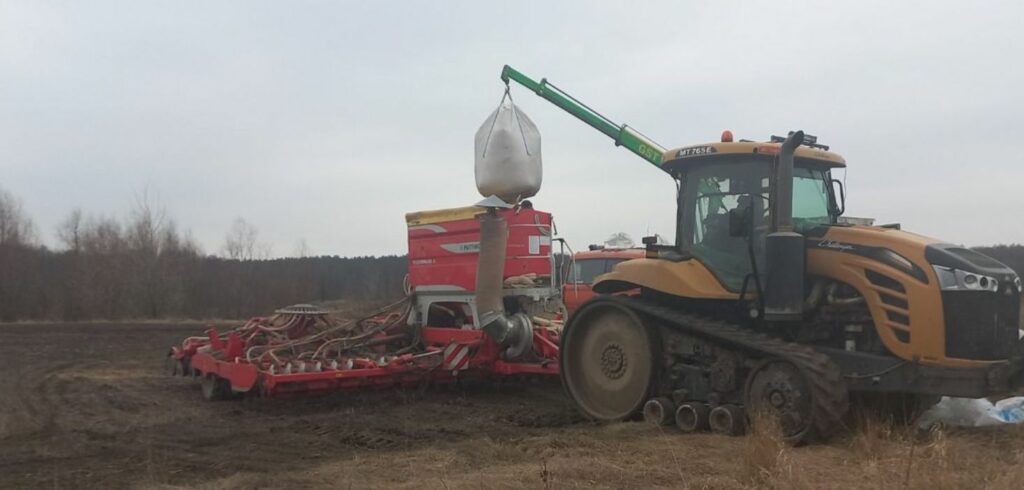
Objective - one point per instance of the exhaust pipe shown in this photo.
(782, 219)
(513, 332)
(785, 254)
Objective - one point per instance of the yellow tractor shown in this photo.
(771, 303)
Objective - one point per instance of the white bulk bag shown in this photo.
(507, 154)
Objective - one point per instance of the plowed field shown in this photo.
(88, 406)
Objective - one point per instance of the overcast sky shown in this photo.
(327, 121)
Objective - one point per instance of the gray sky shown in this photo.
(327, 121)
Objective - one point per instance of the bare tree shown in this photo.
(103, 236)
(143, 266)
(242, 242)
(17, 255)
(104, 243)
(146, 236)
(301, 249)
(69, 232)
(16, 227)
(146, 224)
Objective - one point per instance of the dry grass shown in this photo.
(634, 456)
(886, 455)
(763, 451)
(876, 455)
(767, 462)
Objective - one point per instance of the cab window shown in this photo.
(710, 191)
(715, 190)
(810, 199)
(584, 271)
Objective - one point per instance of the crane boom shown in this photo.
(623, 135)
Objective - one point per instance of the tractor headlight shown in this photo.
(957, 280)
(1020, 287)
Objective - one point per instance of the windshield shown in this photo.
(710, 191)
(810, 199)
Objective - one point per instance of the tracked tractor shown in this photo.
(769, 302)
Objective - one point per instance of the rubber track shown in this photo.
(830, 395)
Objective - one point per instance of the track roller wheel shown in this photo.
(659, 411)
(727, 420)
(692, 417)
(778, 389)
(216, 388)
(607, 362)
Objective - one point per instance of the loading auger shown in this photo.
(623, 135)
(770, 303)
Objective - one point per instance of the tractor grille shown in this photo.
(899, 323)
(981, 325)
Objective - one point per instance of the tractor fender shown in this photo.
(687, 278)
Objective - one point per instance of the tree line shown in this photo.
(1011, 255)
(144, 267)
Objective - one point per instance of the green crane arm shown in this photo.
(623, 135)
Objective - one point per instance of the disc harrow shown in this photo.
(304, 349)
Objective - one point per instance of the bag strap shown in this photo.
(515, 114)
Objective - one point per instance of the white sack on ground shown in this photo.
(507, 155)
(968, 412)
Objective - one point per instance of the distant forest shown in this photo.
(1011, 255)
(143, 267)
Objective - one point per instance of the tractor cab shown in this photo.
(726, 195)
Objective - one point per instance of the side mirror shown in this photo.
(740, 221)
(840, 192)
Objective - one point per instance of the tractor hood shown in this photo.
(920, 257)
(932, 302)
(926, 259)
